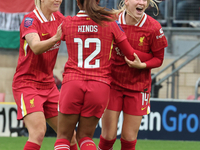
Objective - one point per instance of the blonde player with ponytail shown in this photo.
(131, 80)
(34, 89)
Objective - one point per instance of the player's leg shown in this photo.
(109, 129)
(30, 108)
(53, 124)
(95, 102)
(110, 120)
(51, 112)
(109, 124)
(70, 104)
(136, 104)
(36, 125)
(129, 132)
(66, 126)
(85, 132)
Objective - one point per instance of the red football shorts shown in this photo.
(87, 98)
(30, 99)
(130, 102)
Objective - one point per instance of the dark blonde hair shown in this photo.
(97, 13)
(38, 3)
(122, 6)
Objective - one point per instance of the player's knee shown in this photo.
(108, 136)
(37, 134)
(128, 136)
(40, 137)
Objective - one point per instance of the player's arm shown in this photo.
(155, 62)
(38, 46)
(128, 51)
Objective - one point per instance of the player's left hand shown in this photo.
(136, 63)
(59, 32)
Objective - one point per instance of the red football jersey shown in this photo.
(89, 48)
(37, 70)
(147, 36)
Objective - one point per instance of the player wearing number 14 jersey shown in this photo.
(87, 74)
(131, 84)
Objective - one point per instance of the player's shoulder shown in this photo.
(58, 15)
(153, 23)
(29, 19)
(30, 15)
(67, 19)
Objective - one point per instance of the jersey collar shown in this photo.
(82, 13)
(41, 16)
(122, 20)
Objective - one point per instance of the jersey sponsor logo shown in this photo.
(32, 103)
(28, 22)
(118, 51)
(43, 34)
(88, 28)
(161, 31)
(141, 41)
(161, 34)
(119, 25)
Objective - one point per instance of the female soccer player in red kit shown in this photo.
(130, 87)
(34, 89)
(86, 79)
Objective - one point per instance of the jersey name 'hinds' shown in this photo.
(88, 28)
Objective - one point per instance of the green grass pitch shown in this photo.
(17, 143)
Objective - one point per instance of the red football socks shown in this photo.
(128, 145)
(31, 146)
(87, 143)
(105, 144)
(62, 144)
(74, 147)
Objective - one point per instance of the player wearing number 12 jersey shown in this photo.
(87, 73)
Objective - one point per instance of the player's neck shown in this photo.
(130, 19)
(46, 13)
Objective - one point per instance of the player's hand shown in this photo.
(58, 34)
(136, 63)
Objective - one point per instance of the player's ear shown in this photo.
(126, 2)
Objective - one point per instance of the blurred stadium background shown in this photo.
(175, 85)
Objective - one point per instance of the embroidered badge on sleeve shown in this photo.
(28, 22)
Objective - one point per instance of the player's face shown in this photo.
(136, 7)
(52, 5)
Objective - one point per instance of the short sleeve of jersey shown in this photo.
(29, 25)
(118, 32)
(66, 21)
(159, 40)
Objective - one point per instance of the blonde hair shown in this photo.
(152, 3)
(38, 3)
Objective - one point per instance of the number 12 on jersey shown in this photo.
(86, 44)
